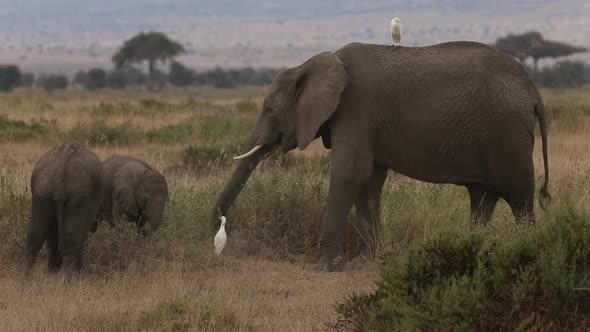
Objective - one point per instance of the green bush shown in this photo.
(27, 80)
(119, 78)
(539, 280)
(96, 78)
(10, 77)
(180, 75)
(278, 216)
(564, 74)
(52, 82)
(15, 130)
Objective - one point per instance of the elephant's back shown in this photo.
(445, 104)
(435, 65)
(114, 162)
(439, 77)
(65, 168)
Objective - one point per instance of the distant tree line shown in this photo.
(562, 74)
(155, 48)
(129, 76)
(11, 77)
(179, 75)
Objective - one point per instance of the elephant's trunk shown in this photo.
(238, 179)
(154, 215)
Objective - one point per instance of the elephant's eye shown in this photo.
(267, 109)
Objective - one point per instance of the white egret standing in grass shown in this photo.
(396, 31)
(220, 237)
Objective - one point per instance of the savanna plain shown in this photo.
(265, 279)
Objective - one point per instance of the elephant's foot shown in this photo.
(54, 264)
(360, 262)
(29, 263)
(368, 252)
(327, 264)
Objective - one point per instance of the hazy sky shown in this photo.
(65, 33)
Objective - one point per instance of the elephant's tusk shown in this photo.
(249, 153)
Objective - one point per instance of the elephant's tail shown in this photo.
(545, 198)
(60, 188)
(60, 225)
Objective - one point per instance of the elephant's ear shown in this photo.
(319, 85)
(124, 190)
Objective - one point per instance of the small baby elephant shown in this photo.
(135, 190)
(66, 186)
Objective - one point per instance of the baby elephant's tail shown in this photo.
(545, 198)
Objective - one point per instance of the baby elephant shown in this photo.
(135, 190)
(66, 187)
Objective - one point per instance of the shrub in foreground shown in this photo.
(540, 281)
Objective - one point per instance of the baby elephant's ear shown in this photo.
(124, 190)
(320, 82)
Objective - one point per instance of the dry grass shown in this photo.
(171, 280)
(262, 295)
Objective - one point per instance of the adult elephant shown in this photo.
(134, 190)
(457, 112)
(66, 185)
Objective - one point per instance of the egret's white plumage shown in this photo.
(396, 31)
(220, 237)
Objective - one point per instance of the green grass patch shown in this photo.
(207, 156)
(16, 130)
(174, 133)
(567, 110)
(107, 109)
(190, 314)
(247, 105)
(98, 132)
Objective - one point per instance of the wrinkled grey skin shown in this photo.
(135, 190)
(459, 112)
(66, 186)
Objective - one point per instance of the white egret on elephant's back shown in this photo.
(396, 31)
(220, 237)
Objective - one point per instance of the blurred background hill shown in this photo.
(68, 35)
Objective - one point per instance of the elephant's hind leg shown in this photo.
(483, 203)
(368, 207)
(55, 258)
(78, 216)
(519, 190)
(42, 217)
(523, 209)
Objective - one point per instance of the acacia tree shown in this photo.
(152, 47)
(531, 44)
(551, 49)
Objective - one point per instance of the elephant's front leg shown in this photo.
(341, 196)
